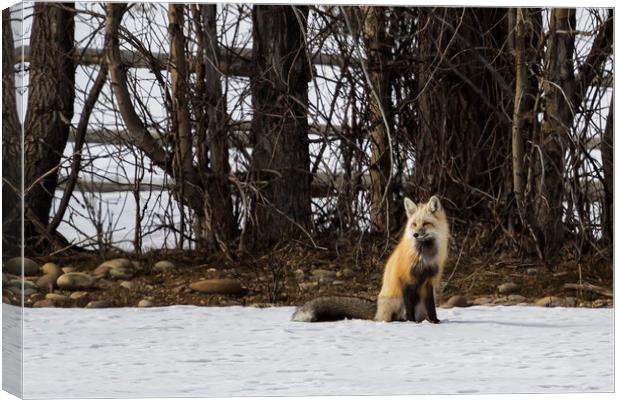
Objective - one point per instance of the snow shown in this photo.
(242, 351)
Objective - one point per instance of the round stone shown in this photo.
(51, 268)
(126, 285)
(507, 288)
(80, 298)
(68, 270)
(43, 303)
(163, 266)
(14, 266)
(145, 303)
(57, 298)
(217, 286)
(74, 280)
(47, 282)
(121, 273)
(99, 304)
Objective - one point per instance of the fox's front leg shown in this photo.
(391, 309)
(430, 305)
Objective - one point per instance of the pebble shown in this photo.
(531, 271)
(319, 273)
(338, 283)
(550, 301)
(517, 298)
(121, 273)
(308, 285)
(68, 270)
(47, 282)
(51, 268)
(482, 301)
(43, 303)
(347, 273)
(80, 298)
(74, 280)
(14, 266)
(163, 266)
(126, 285)
(326, 279)
(145, 303)
(99, 304)
(17, 283)
(217, 286)
(600, 303)
(57, 298)
(299, 273)
(508, 287)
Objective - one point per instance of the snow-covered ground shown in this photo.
(235, 351)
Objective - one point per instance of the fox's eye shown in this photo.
(413, 225)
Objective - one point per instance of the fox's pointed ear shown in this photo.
(410, 207)
(434, 204)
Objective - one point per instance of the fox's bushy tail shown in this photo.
(335, 308)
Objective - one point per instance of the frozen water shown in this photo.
(238, 351)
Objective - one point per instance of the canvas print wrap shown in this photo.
(263, 200)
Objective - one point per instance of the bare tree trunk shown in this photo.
(280, 127)
(377, 46)
(222, 225)
(559, 88)
(11, 146)
(50, 110)
(463, 86)
(607, 152)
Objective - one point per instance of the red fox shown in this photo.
(412, 273)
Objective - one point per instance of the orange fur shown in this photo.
(397, 274)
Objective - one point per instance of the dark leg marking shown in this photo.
(411, 296)
(430, 305)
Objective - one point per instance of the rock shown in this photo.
(57, 298)
(14, 266)
(178, 289)
(337, 283)
(47, 282)
(68, 270)
(74, 280)
(585, 303)
(456, 301)
(17, 283)
(163, 266)
(299, 273)
(121, 273)
(145, 303)
(102, 270)
(482, 301)
(217, 286)
(103, 284)
(51, 268)
(126, 285)
(517, 298)
(43, 303)
(262, 305)
(99, 304)
(507, 288)
(549, 301)
(319, 273)
(570, 301)
(18, 291)
(347, 273)
(80, 298)
(531, 271)
(599, 303)
(326, 279)
(308, 285)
